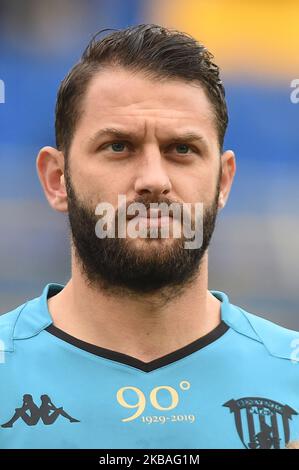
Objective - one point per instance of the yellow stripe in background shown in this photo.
(256, 39)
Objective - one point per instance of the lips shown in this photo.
(151, 214)
(153, 221)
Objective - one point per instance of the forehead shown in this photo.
(116, 96)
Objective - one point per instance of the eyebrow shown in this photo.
(187, 136)
(110, 131)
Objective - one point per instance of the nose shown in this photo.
(152, 176)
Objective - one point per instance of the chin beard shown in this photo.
(162, 268)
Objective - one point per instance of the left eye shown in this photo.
(182, 148)
(118, 146)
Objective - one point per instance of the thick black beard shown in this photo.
(117, 267)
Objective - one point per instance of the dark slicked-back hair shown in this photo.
(157, 52)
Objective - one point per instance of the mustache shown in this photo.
(148, 201)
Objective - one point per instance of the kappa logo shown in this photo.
(30, 413)
(261, 423)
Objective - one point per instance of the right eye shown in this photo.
(116, 147)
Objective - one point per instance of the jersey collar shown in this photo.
(34, 316)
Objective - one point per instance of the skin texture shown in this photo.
(142, 325)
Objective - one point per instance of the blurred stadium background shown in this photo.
(254, 255)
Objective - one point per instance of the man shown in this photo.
(135, 347)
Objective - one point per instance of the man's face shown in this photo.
(148, 156)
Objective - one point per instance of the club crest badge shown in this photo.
(261, 423)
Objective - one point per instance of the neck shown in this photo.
(142, 329)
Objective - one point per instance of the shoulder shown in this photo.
(8, 322)
(278, 340)
(26, 320)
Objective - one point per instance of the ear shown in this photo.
(50, 169)
(228, 162)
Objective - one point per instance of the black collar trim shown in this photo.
(185, 351)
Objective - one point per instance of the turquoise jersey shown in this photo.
(236, 387)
